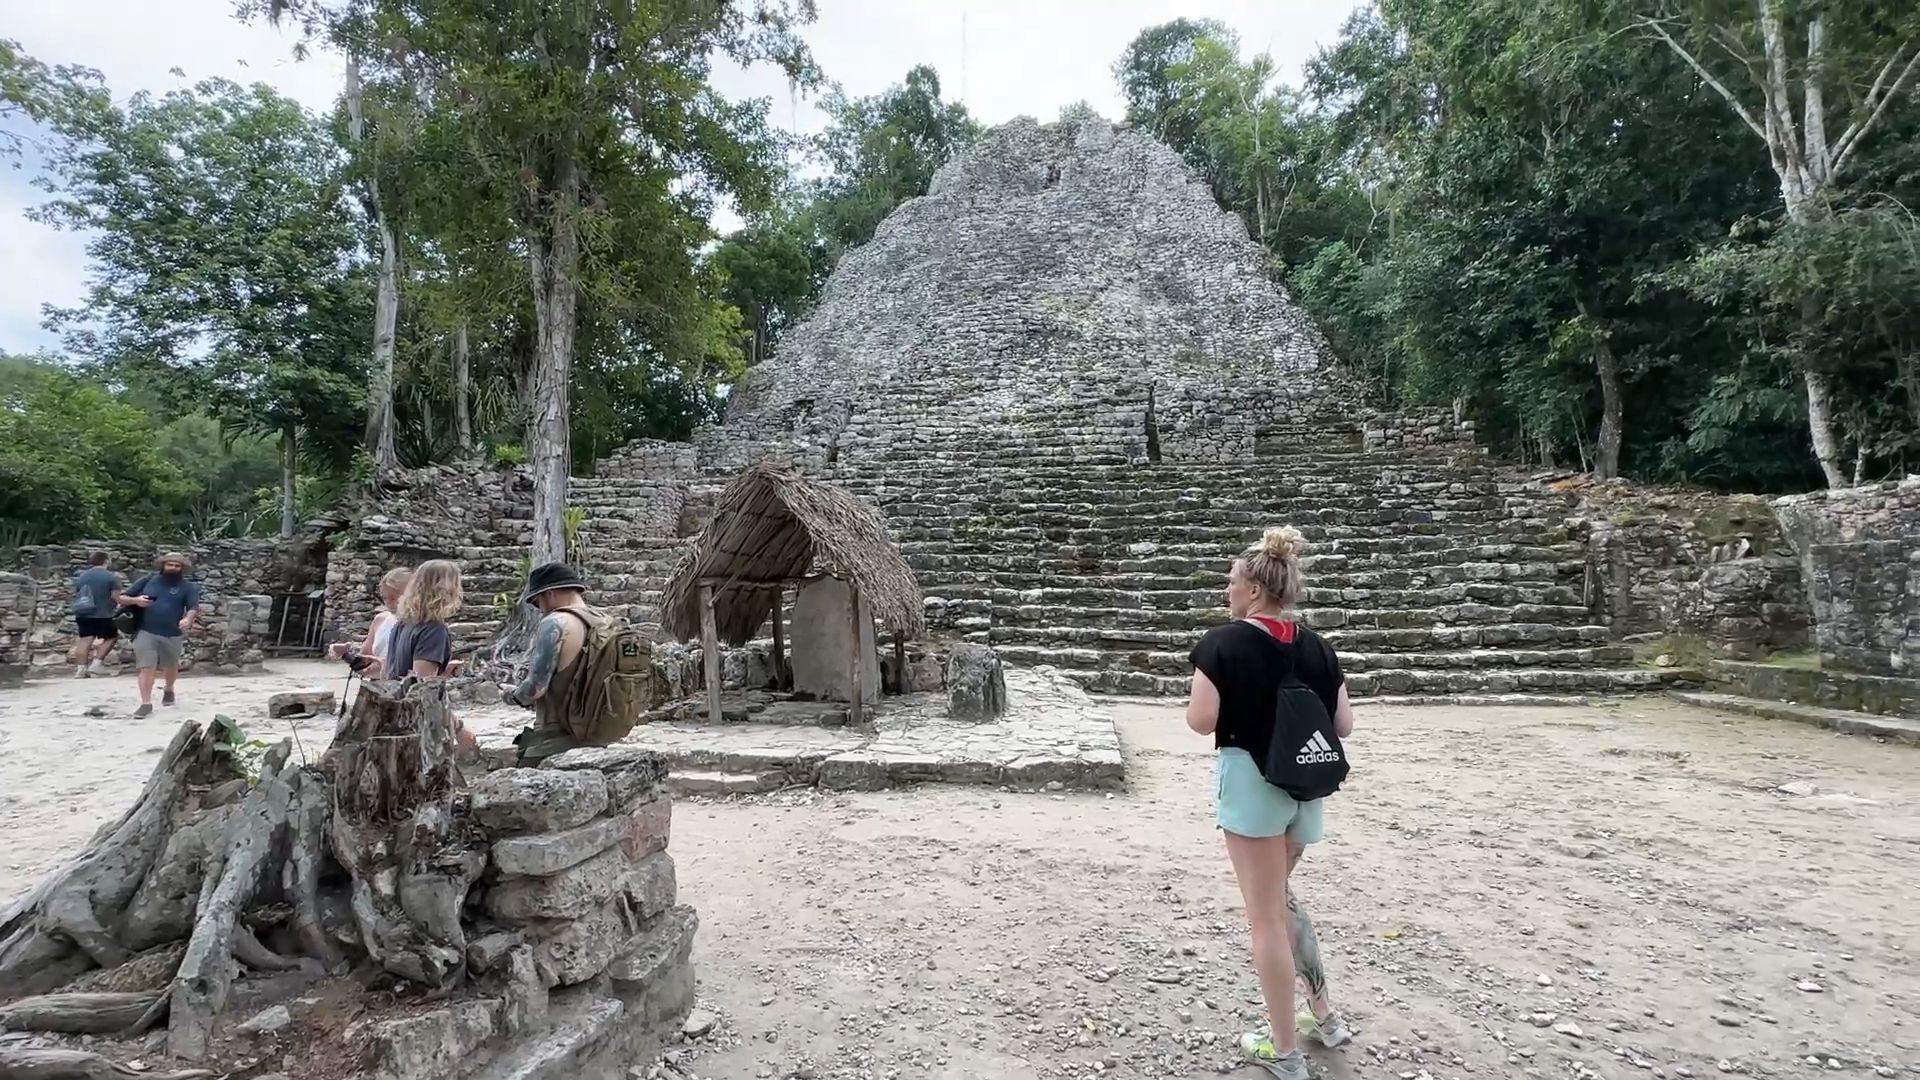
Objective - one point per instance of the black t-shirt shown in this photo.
(429, 641)
(1245, 663)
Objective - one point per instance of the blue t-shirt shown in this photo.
(170, 604)
(93, 592)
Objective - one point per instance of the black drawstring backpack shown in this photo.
(1305, 759)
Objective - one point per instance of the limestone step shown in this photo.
(580, 1024)
(718, 782)
(1418, 682)
(1317, 618)
(1807, 685)
(1897, 729)
(1210, 599)
(1171, 662)
(977, 582)
(1432, 638)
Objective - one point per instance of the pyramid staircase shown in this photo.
(1431, 571)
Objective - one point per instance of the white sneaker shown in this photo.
(98, 667)
(81, 672)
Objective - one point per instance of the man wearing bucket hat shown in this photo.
(168, 605)
(557, 590)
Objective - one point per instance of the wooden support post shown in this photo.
(710, 653)
(857, 707)
(780, 681)
(900, 661)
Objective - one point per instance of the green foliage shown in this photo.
(509, 455)
(1486, 202)
(80, 459)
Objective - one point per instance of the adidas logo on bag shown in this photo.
(1316, 750)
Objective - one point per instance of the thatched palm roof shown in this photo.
(773, 525)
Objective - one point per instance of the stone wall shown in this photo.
(1859, 553)
(1714, 567)
(238, 579)
(476, 515)
(578, 953)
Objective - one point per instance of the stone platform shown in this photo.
(1053, 733)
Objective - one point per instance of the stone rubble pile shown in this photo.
(579, 950)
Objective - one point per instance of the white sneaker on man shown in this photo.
(98, 668)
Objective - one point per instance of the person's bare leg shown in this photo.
(172, 676)
(78, 655)
(146, 685)
(1260, 864)
(1306, 946)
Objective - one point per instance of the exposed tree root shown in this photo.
(78, 1014)
(37, 1064)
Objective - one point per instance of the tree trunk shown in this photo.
(1606, 465)
(78, 1014)
(554, 259)
(394, 829)
(462, 378)
(386, 310)
(289, 481)
(1826, 448)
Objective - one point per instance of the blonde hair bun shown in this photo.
(1283, 542)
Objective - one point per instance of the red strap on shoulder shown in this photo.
(1282, 632)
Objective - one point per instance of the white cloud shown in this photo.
(1015, 57)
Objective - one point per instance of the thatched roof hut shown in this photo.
(772, 527)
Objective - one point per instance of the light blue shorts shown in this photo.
(1249, 806)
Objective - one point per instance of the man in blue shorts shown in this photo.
(168, 604)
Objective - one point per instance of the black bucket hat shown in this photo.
(551, 576)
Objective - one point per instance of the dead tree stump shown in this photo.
(398, 829)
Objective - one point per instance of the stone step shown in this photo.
(1317, 618)
(580, 1024)
(1897, 729)
(1415, 682)
(1805, 685)
(1175, 662)
(972, 582)
(1491, 636)
(718, 782)
(1211, 599)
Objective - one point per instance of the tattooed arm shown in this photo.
(546, 656)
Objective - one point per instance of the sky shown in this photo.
(1002, 58)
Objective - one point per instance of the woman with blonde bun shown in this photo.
(1236, 683)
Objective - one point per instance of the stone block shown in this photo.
(295, 703)
(485, 953)
(665, 940)
(976, 683)
(632, 773)
(640, 831)
(430, 1046)
(537, 800)
(563, 895)
(525, 1002)
(567, 952)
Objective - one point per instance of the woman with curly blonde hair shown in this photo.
(1237, 675)
(422, 643)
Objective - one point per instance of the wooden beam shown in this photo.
(856, 708)
(900, 661)
(780, 680)
(718, 583)
(710, 653)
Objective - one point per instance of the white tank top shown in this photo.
(383, 637)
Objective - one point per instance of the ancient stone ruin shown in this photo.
(388, 911)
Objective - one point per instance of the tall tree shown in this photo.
(386, 308)
(583, 115)
(1826, 75)
(881, 151)
(222, 258)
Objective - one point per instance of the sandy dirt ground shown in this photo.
(1638, 890)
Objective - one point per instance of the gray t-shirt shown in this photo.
(429, 641)
(170, 604)
(93, 592)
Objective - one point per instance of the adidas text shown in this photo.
(1316, 751)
